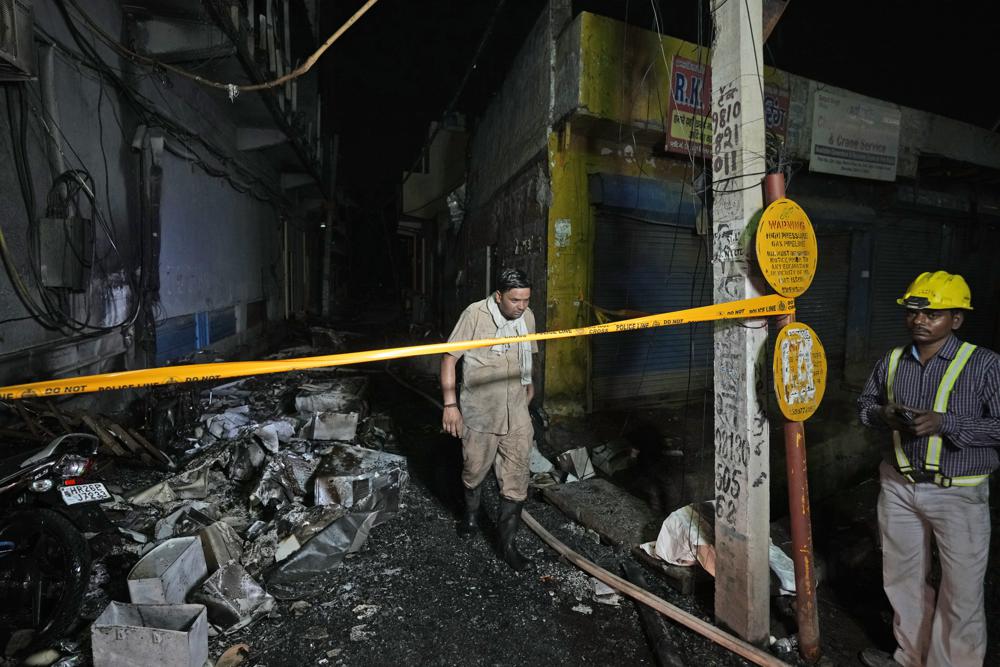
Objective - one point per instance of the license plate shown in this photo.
(84, 493)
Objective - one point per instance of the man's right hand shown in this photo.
(893, 415)
(451, 422)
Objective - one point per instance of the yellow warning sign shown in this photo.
(799, 371)
(786, 248)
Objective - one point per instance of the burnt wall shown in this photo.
(507, 230)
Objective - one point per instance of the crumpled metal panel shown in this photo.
(273, 433)
(192, 483)
(331, 426)
(233, 598)
(297, 575)
(284, 479)
(221, 544)
(246, 458)
(361, 480)
(229, 424)
(185, 520)
(340, 395)
(157, 494)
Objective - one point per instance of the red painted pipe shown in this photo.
(806, 612)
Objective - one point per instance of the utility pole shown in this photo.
(742, 472)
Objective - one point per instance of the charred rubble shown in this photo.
(252, 491)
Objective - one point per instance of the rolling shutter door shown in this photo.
(824, 305)
(903, 250)
(973, 254)
(651, 268)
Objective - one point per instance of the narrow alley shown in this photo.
(549, 332)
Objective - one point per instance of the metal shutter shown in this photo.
(824, 305)
(903, 250)
(651, 268)
(972, 252)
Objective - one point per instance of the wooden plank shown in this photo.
(28, 421)
(36, 413)
(58, 415)
(145, 454)
(118, 432)
(104, 436)
(616, 515)
(157, 453)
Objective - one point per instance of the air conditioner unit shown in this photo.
(17, 41)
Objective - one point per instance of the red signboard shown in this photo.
(689, 122)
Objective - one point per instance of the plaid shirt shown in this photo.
(971, 426)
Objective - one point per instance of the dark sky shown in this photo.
(398, 68)
(935, 56)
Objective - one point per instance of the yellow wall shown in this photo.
(623, 101)
(624, 70)
(572, 158)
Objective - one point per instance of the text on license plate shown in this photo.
(84, 493)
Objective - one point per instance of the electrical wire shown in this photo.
(35, 310)
(52, 312)
(148, 115)
(85, 183)
(52, 309)
(231, 88)
(151, 117)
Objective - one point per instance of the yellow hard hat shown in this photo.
(937, 291)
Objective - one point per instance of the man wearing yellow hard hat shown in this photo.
(938, 402)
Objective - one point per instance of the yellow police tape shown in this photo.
(748, 308)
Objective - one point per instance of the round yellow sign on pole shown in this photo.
(799, 371)
(786, 248)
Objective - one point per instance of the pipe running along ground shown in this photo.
(720, 637)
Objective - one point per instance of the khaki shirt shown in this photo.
(492, 396)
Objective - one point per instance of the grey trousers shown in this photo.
(951, 630)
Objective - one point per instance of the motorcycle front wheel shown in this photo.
(44, 572)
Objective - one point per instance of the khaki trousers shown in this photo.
(952, 631)
(508, 454)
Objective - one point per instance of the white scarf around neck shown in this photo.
(506, 328)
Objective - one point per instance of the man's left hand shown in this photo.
(926, 422)
(531, 392)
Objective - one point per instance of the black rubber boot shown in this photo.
(510, 519)
(470, 515)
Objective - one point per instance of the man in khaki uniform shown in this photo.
(493, 419)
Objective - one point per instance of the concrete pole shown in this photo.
(742, 472)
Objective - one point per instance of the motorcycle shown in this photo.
(45, 500)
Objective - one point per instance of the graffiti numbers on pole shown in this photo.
(726, 123)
